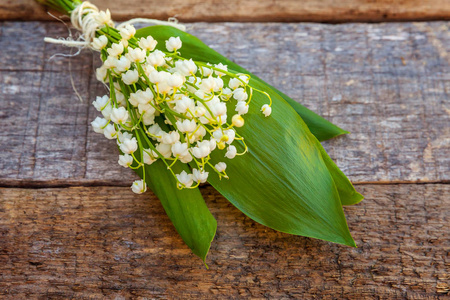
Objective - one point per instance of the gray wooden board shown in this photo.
(386, 83)
(108, 243)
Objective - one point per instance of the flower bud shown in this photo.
(237, 121)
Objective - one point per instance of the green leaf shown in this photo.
(283, 181)
(197, 50)
(186, 208)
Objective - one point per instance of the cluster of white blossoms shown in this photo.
(163, 106)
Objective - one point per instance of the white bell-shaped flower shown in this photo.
(156, 58)
(203, 149)
(184, 104)
(185, 179)
(240, 94)
(125, 160)
(98, 124)
(221, 67)
(231, 134)
(186, 67)
(175, 80)
(220, 166)
(242, 107)
(199, 176)
(110, 132)
(186, 125)
(101, 73)
(139, 186)
(208, 84)
(234, 83)
(173, 44)
(127, 32)
(130, 77)
(266, 110)
(100, 102)
(147, 43)
(119, 115)
(231, 152)
(136, 55)
(171, 137)
(129, 145)
(148, 160)
(103, 17)
(122, 64)
(165, 150)
(148, 118)
(180, 149)
(99, 43)
(115, 50)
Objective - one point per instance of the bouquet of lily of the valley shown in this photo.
(183, 115)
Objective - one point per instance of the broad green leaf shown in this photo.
(197, 50)
(321, 128)
(186, 208)
(283, 181)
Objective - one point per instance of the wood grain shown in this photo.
(252, 10)
(108, 243)
(388, 84)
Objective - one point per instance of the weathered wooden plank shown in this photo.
(106, 242)
(386, 83)
(251, 10)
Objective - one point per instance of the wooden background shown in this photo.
(71, 228)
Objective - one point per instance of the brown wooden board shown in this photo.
(252, 10)
(386, 83)
(108, 243)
